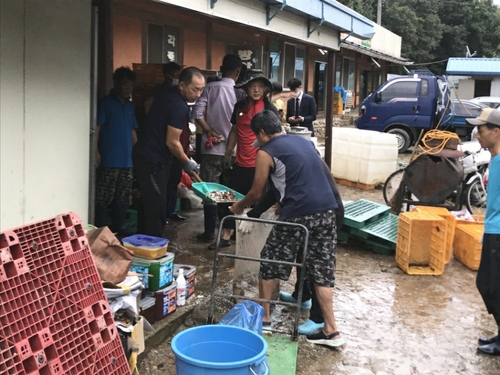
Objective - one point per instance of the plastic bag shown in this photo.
(184, 192)
(246, 314)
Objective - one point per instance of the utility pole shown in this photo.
(379, 12)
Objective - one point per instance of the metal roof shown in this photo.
(373, 53)
(329, 13)
(473, 66)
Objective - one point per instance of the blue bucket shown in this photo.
(218, 349)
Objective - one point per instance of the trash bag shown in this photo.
(246, 314)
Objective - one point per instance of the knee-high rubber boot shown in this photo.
(210, 218)
(119, 218)
(100, 215)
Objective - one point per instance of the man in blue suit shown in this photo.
(301, 110)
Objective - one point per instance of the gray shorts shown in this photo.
(284, 242)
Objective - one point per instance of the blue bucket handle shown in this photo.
(262, 363)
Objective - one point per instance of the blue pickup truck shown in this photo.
(406, 105)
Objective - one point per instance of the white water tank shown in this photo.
(363, 156)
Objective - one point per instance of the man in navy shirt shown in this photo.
(160, 143)
(115, 133)
(295, 174)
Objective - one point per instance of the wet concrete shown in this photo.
(394, 323)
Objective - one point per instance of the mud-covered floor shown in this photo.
(394, 323)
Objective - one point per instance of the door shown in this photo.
(320, 85)
(482, 87)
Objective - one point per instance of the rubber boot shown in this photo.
(210, 218)
(119, 218)
(100, 215)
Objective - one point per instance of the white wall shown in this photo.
(466, 88)
(495, 87)
(44, 109)
(253, 13)
(384, 41)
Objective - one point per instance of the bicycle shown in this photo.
(473, 192)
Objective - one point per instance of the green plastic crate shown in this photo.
(162, 270)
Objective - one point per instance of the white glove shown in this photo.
(245, 226)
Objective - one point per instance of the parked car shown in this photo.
(463, 109)
(490, 101)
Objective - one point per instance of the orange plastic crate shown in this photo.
(450, 229)
(467, 246)
(420, 246)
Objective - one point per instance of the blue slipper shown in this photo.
(309, 327)
(287, 297)
(267, 326)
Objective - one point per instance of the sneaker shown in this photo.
(176, 217)
(321, 339)
(310, 327)
(287, 297)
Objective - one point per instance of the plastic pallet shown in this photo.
(54, 316)
(361, 212)
(385, 228)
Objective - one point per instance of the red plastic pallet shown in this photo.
(54, 316)
(111, 359)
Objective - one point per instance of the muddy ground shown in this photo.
(394, 323)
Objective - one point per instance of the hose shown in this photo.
(443, 135)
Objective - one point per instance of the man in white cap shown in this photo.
(488, 275)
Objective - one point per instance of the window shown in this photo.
(162, 44)
(402, 89)
(424, 87)
(294, 63)
(299, 63)
(275, 60)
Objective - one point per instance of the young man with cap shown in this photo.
(212, 112)
(295, 174)
(160, 143)
(488, 275)
(257, 88)
(300, 110)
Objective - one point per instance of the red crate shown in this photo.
(111, 359)
(101, 324)
(26, 307)
(10, 362)
(12, 260)
(79, 281)
(73, 340)
(54, 316)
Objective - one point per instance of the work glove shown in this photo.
(190, 167)
(226, 163)
(245, 226)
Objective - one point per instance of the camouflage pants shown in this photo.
(284, 242)
(113, 184)
(211, 168)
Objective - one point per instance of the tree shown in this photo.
(434, 30)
